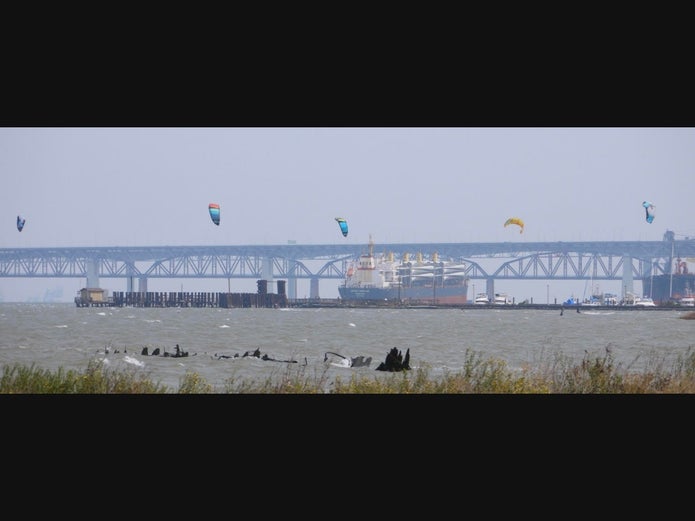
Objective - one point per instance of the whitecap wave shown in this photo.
(134, 361)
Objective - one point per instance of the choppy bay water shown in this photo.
(56, 336)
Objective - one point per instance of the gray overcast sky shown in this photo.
(152, 186)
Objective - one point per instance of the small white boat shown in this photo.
(687, 300)
(610, 299)
(502, 299)
(592, 301)
(481, 298)
(633, 300)
(605, 299)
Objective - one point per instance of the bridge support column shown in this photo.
(142, 284)
(92, 273)
(628, 286)
(490, 288)
(314, 288)
(292, 281)
(292, 288)
(267, 273)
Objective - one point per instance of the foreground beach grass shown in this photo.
(594, 374)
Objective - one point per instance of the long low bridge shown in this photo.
(604, 260)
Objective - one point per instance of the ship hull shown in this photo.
(663, 288)
(440, 295)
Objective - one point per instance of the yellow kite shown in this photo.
(517, 221)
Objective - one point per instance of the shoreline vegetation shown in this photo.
(596, 373)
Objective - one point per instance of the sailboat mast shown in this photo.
(670, 284)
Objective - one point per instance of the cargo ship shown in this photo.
(382, 278)
(672, 287)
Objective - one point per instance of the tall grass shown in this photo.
(558, 374)
(96, 379)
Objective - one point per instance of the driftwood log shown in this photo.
(256, 353)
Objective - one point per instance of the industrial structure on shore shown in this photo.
(98, 297)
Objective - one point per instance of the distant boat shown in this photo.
(482, 298)
(610, 299)
(633, 300)
(502, 299)
(605, 299)
(592, 301)
(687, 300)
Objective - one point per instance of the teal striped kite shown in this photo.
(214, 210)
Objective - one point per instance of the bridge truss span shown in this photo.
(612, 260)
(577, 266)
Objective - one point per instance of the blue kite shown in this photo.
(649, 209)
(343, 225)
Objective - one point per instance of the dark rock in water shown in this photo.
(179, 352)
(266, 357)
(395, 361)
(359, 361)
(257, 354)
(221, 357)
(144, 351)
